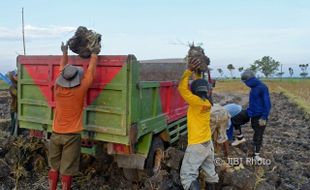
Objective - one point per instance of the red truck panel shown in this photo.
(39, 68)
(173, 104)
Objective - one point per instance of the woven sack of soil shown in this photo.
(196, 52)
(84, 41)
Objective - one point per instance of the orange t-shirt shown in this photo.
(69, 106)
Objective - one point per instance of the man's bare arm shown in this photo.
(64, 58)
(91, 70)
(93, 64)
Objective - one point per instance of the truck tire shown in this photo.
(155, 156)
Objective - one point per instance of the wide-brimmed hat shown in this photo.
(70, 76)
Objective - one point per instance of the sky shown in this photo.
(234, 32)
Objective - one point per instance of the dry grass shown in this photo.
(230, 86)
(297, 90)
(28, 153)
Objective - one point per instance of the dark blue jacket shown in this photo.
(259, 105)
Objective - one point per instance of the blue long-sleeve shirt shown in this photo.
(233, 110)
(259, 103)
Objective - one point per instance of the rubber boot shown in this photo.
(66, 182)
(52, 179)
(194, 185)
(211, 186)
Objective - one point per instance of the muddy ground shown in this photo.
(23, 161)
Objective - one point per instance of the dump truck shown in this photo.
(132, 110)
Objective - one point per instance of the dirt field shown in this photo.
(23, 161)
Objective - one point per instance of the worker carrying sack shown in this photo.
(84, 42)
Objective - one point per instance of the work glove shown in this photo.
(64, 48)
(262, 122)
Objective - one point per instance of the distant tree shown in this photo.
(230, 67)
(267, 65)
(291, 71)
(254, 68)
(240, 69)
(220, 71)
(303, 68)
(280, 74)
(303, 75)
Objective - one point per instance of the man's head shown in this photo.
(246, 75)
(200, 87)
(70, 76)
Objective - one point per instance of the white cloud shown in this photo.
(39, 40)
(52, 31)
(35, 32)
(8, 34)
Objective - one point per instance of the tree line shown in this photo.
(268, 66)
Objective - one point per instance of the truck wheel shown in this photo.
(155, 156)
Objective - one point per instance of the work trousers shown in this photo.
(196, 156)
(243, 118)
(64, 153)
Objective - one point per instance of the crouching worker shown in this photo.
(65, 142)
(233, 110)
(199, 151)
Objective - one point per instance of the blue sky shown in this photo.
(236, 32)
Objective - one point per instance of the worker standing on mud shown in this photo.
(13, 108)
(257, 112)
(65, 142)
(199, 151)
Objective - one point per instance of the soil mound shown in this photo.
(23, 161)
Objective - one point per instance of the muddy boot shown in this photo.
(52, 179)
(194, 185)
(211, 186)
(66, 182)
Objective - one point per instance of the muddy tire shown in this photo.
(155, 157)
